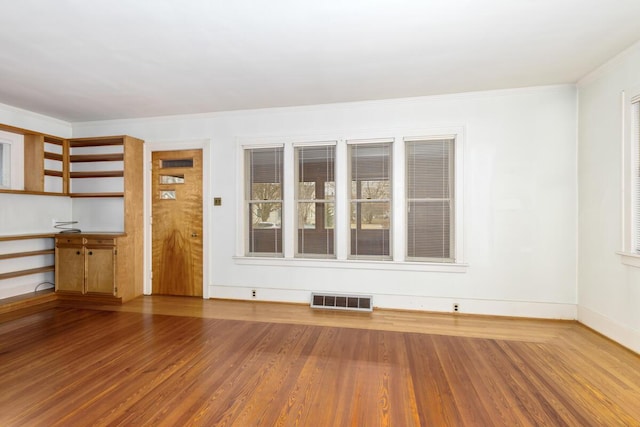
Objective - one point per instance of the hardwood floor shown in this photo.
(181, 361)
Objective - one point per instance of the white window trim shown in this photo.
(287, 149)
(629, 255)
(352, 264)
(341, 260)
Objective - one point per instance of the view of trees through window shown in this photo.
(370, 199)
(266, 212)
(264, 199)
(316, 200)
(365, 200)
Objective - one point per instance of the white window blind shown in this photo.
(5, 164)
(264, 197)
(430, 210)
(315, 200)
(370, 200)
(635, 138)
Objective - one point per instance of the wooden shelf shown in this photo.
(33, 193)
(96, 142)
(76, 195)
(97, 174)
(53, 156)
(27, 254)
(115, 157)
(49, 172)
(19, 273)
(27, 236)
(53, 140)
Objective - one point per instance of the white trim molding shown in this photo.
(610, 328)
(205, 146)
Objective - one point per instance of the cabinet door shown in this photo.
(100, 270)
(70, 269)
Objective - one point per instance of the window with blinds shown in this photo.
(370, 199)
(429, 189)
(635, 141)
(264, 195)
(4, 164)
(315, 200)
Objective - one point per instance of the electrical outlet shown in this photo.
(456, 307)
(253, 293)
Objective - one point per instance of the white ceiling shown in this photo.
(81, 60)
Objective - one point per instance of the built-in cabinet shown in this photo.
(87, 264)
(101, 263)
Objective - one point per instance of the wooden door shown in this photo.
(176, 222)
(100, 269)
(70, 268)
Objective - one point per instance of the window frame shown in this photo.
(390, 201)
(342, 260)
(296, 163)
(452, 199)
(630, 238)
(248, 202)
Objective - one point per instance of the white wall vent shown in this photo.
(342, 302)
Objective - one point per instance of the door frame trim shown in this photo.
(178, 145)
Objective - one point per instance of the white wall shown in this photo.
(24, 119)
(24, 214)
(609, 291)
(519, 198)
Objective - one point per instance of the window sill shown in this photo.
(353, 264)
(631, 259)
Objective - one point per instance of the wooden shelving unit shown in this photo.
(36, 156)
(27, 254)
(95, 167)
(85, 151)
(126, 153)
(29, 271)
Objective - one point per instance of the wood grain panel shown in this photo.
(33, 162)
(70, 268)
(130, 249)
(100, 264)
(177, 226)
(67, 367)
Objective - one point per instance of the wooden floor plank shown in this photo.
(135, 366)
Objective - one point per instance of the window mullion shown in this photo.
(343, 207)
(288, 201)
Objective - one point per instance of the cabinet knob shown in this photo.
(90, 253)
(77, 252)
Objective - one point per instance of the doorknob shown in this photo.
(194, 234)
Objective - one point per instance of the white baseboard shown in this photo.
(618, 332)
(411, 302)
